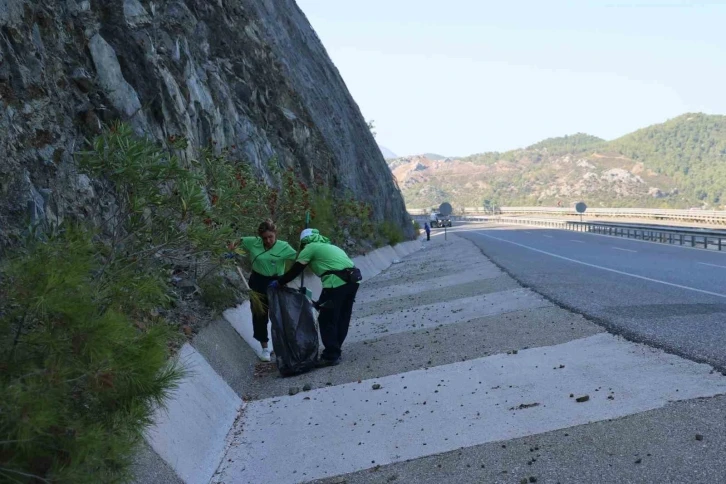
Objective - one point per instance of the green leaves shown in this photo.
(80, 376)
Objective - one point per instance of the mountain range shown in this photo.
(677, 164)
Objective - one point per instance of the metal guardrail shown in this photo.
(698, 238)
(711, 216)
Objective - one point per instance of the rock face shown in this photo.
(247, 75)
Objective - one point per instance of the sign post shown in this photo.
(445, 210)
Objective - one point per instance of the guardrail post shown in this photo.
(719, 243)
(693, 240)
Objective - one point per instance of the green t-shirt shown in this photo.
(268, 262)
(325, 257)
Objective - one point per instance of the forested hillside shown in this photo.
(677, 164)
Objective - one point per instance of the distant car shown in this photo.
(437, 220)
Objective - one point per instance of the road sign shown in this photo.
(580, 208)
(445, 209)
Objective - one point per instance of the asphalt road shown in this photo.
(667, 296)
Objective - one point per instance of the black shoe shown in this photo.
(323, 363)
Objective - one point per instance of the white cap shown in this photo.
(305, 233)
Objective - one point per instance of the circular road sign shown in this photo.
(581, 207)
(445, 209)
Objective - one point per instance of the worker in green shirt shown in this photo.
(268, 256)
(340, 280)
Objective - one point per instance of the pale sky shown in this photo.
(458, 77)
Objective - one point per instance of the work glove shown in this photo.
(229, 255)
(273, 285)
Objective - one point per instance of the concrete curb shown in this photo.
(190, 433)
(370, 265)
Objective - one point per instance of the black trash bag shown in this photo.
(294, 330)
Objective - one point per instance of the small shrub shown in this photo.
(391, 233)
(343, 219)
(217, 294)
(416, 228)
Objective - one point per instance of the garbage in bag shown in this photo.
(294, 330)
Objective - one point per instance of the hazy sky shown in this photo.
(458, 77)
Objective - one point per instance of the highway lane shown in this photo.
(668, 296)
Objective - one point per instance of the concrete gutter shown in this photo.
(190, 432)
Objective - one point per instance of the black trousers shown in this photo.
(260, 306)
(334, 318)
(260, 309)
(428, 235)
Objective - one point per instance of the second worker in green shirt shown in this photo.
(340, 279)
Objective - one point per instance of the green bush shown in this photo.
(416, 228)
(390, 233)
(218, 294)
(82, 369)
(343, 219)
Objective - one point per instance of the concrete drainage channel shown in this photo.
(190, 436)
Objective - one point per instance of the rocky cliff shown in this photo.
(247, 75)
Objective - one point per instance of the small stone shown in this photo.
(376, 386)
(639, 461)
(572, 395)
(582, 399)
(514, 352)
(699, 437)
(307, 387)
(523, 481)
(532, 479)
(293, 391)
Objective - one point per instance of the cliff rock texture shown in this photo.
(247, 75)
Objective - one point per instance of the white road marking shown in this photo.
(347, 428)
(688, 288)
(578, 241)
(624, 250)
(712, 265)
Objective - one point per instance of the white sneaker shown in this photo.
(266, 354)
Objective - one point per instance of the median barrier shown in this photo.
(696, 238)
